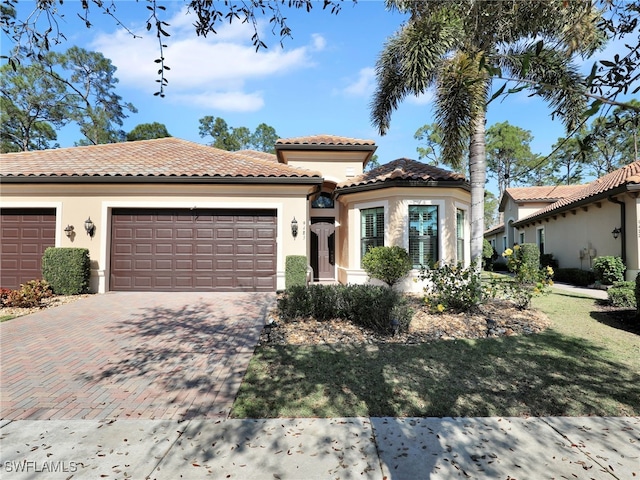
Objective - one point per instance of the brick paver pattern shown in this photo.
(150, 355)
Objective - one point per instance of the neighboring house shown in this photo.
(584, 222)
(172, 215)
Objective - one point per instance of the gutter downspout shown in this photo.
(623, 248)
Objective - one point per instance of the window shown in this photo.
(460, 235)
(423, 234)
(521, 238)
(541, 240)
(324, 200)
(372, 229)
(504, 243)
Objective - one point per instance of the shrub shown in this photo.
(388, 264)
(488, 255)
(622, 294)
(453, 287)
(29, 295)
(529, 280)
(547, 260)
(637, 292)
(68, 270)
(608, 269)
(295, 270)
(370, 306)
(4, 295)
(574, 276)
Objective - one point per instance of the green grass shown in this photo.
(4, 318)
(586, 364)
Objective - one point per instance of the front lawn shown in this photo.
(587, 363)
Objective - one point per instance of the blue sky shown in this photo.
(321, 82)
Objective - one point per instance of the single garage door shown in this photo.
(25, 234)
(199, 250)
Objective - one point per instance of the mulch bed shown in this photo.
(494, 319)
(50, 302)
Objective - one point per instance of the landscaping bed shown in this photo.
(7, 313)
(494, 319)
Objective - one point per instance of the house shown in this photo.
(172, 215)
(577, 223)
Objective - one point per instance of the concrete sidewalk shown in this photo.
(363, 448)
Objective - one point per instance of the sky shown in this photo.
(320, 81)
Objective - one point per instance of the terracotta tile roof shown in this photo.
(164, 157)
(270, 157)
(402, 169)
(494, 230)
(323, 140)
(600, 188)
(545, 193)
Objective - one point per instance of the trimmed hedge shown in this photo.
(622, 294)
(67, 270)
(609, 269)
(373, 307)
(574, 276)
(295, 271)
(637, 292)
(388, 264)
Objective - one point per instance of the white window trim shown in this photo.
(355, 253)
(467, 232)
(442, 215)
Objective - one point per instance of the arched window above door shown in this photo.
(324, 200)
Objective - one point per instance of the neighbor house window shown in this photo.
(541, 240)
(460, 235)
(521, 237)
(371, 229)
(504, 243)
(423, 234)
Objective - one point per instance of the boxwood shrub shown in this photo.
(609, 269)
(67, 270)
(295, 270)
(574, 276)
(622, 294)
(370, 306)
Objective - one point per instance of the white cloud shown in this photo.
(422, 99)
(230, 101)
(220, 63)
(319, 41)
(363, 85)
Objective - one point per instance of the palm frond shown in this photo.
(551, 75)
(409, 64)
(461, 96)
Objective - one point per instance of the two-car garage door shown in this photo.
(198, 249)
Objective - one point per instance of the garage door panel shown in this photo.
(200, 247)
(24, 234)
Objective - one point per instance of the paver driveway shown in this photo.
(130, 355)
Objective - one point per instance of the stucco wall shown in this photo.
(588, 230)
(335, 166)
(396, 202)
(75, 203)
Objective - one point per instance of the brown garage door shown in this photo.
(200, 250)
(24, 234)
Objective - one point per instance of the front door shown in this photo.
(323, 249)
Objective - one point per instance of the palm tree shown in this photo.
(460, 47)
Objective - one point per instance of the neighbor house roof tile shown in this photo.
(542, 193)
(323, 140)
(165, 157)
(600, 188)
(402, 169)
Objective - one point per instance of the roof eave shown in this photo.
(579, 203)
(130, 179)
(402, 183)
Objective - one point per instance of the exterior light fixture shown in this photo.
(616, 232)
(89, 227)
(294, 227)
(68, 231)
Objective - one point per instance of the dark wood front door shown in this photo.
(323, 250)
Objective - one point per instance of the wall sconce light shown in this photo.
(616, 232)
(294, 227)
(68, 231)
(89, 227)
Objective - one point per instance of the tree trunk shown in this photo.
(478, 174)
